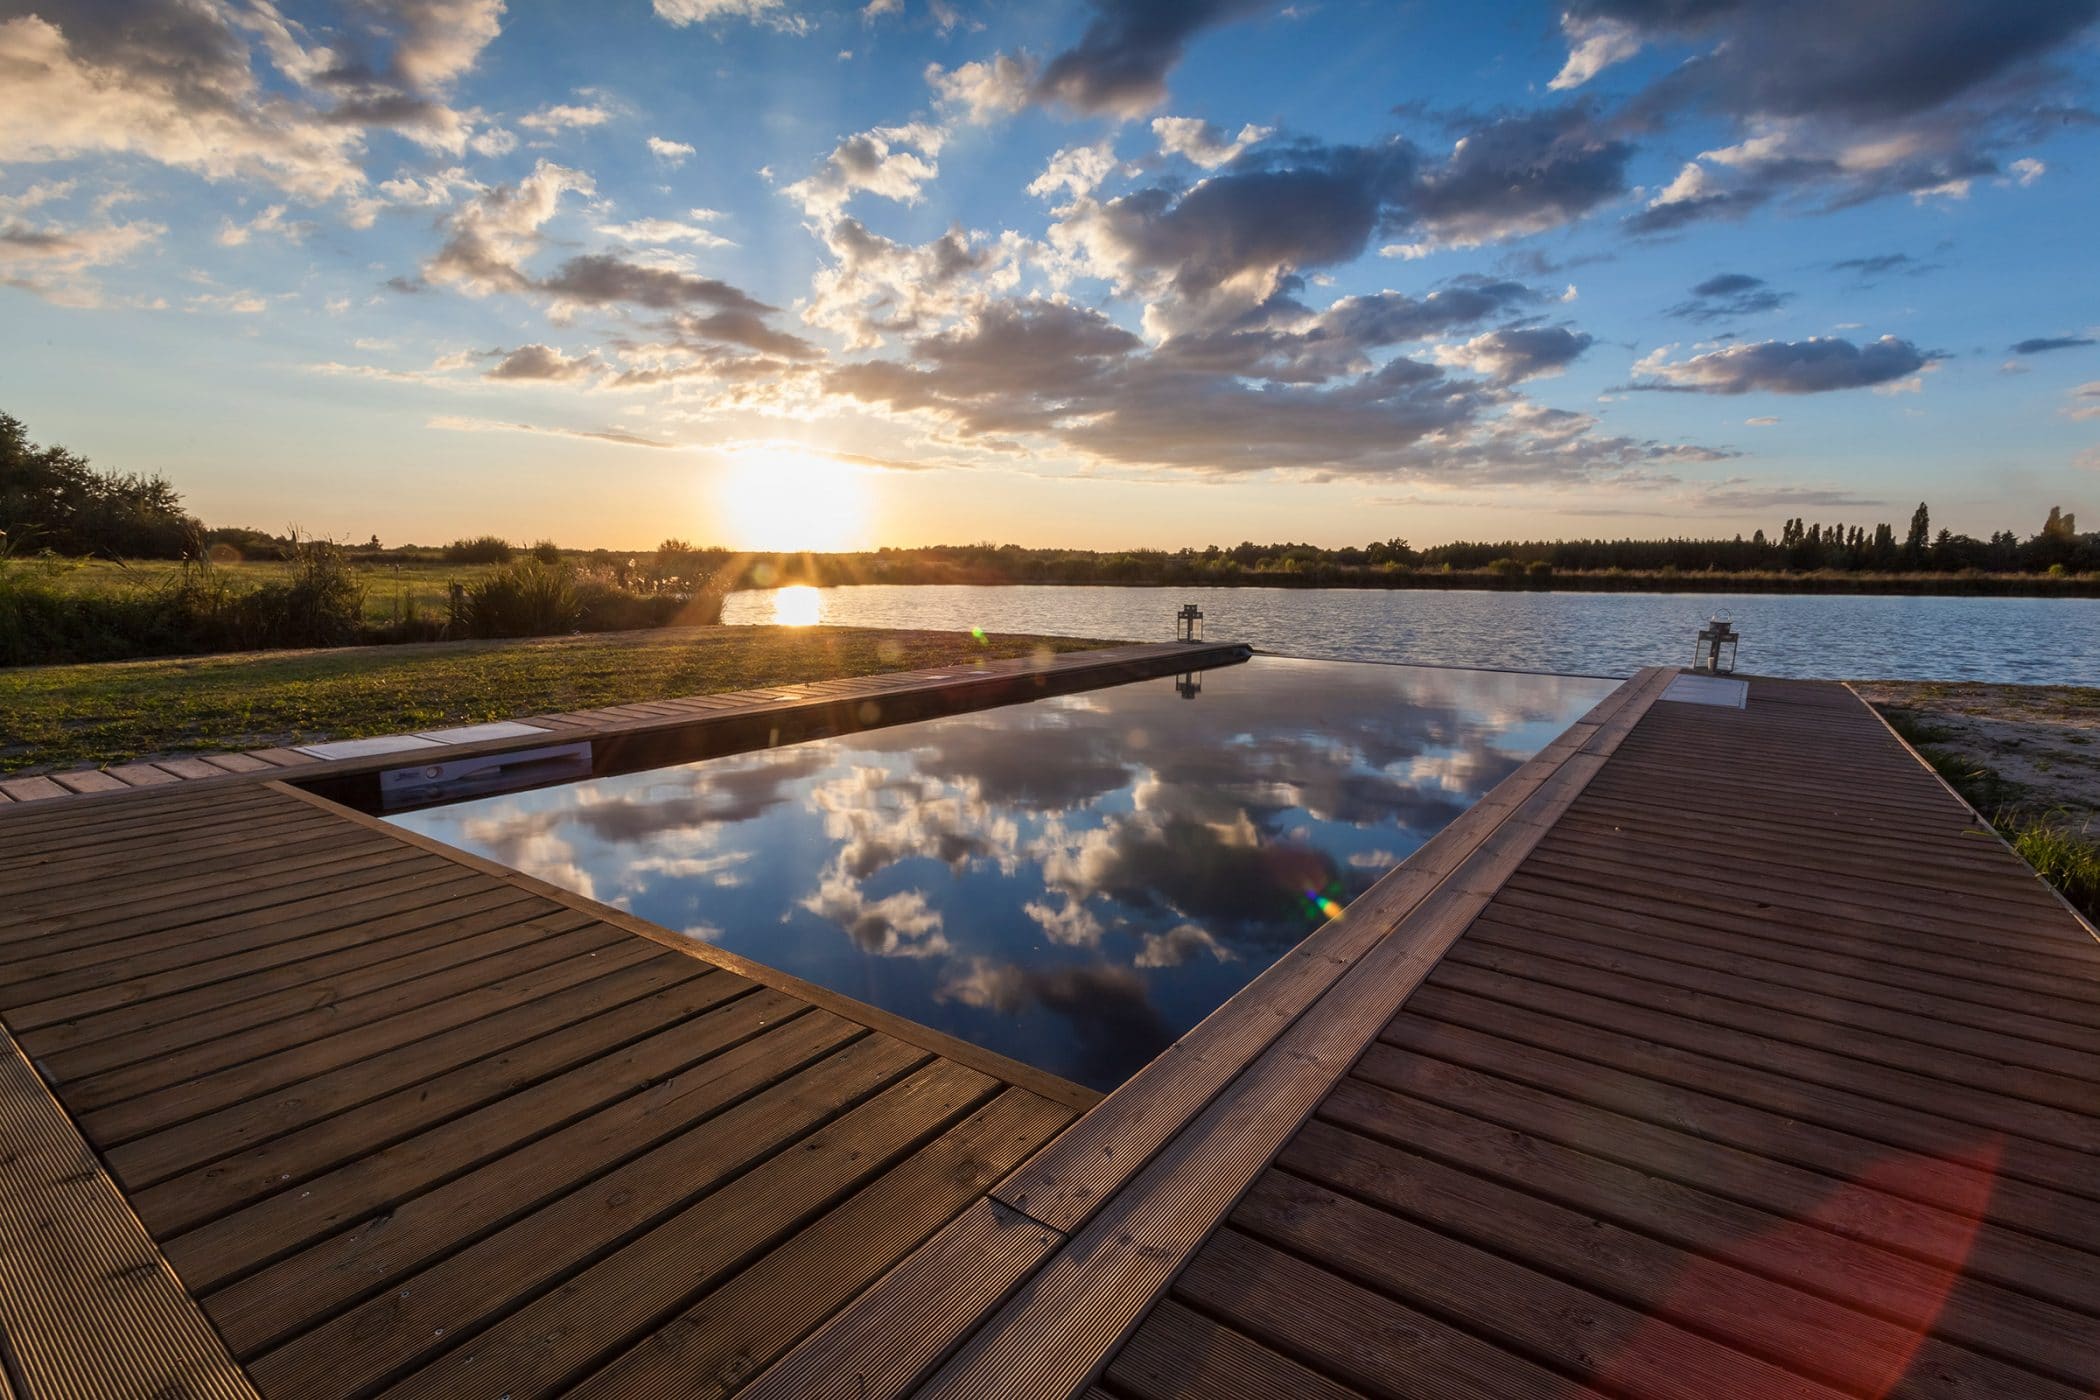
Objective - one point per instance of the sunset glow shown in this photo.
(786, 499)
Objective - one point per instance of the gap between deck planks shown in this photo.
(1033, 1288)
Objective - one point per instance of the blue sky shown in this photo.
(1117, 272)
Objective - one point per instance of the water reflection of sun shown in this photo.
(784, 498)
(796, 606)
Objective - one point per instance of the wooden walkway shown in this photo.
(1630, 1082)
(1720, 1052)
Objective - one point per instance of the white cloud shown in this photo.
(1079, 169)
(1203, 143)
(270, 220)
(1593, 46)
(567, 116)
(895, 162)
(774, 14)
(52, 261)
(671, 153)
(665, 231)
(993, 87)
(877, 9)
(221, 123)
(2027, 170)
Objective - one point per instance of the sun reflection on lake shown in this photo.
(796, 606)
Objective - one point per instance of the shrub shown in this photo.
(483, 549)
(547, 552)
(526, 599)
(321, 605)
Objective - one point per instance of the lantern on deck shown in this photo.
(1717, 637)
(1188, 623)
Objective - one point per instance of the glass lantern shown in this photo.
(1714, 651)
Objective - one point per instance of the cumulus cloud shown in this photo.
(1069, 376)
(1178, 944)
(1817, 365)
(874, 287)
(168, 81)
(2042, 344)
(1510, 356)
(489, 238)
(1075, 170)
(985, 89)
(671, 153)
(1204, 144)
(892, 161)
(599, 279)
(1728, 295)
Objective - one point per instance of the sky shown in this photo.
(783, 274)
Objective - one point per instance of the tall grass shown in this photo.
(2067, 859)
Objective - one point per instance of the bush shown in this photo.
(321, 605)
(547, 552)
(527, 599)
(483, 549)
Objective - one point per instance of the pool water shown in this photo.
(1074, 881)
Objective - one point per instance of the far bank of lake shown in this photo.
(2026, 641)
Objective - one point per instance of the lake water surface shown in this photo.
(2025, 640)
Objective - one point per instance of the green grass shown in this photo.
(65, 716)
(2067, 859)
(393, 592)
(2064, 854)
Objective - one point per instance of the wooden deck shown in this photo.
(1721, 1052)
(1628, 1082)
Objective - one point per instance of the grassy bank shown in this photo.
(2027, 757)
(54, 717)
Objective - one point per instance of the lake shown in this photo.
(2023, 640)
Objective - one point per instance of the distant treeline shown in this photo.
(52, 501)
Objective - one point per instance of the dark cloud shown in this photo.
(1519, 175)
(1838, 101)
(2042, 344)
(599, 279)
(1670, 215)
(1861, 60)
(1120, 63)
(1814, 366)
(1867, 269)
(1729, 295)
(1512, 355)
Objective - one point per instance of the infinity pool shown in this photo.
(1074, 881)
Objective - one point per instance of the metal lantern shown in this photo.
(1188, 685)
(1715, 638)
(1188, 623)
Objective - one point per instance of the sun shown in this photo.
(783, 498)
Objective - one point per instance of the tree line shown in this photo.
(53, 501)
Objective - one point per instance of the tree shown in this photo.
(51, 499)
(1920, 532)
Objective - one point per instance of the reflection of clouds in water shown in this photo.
(1114, 1024)
(1162, 863)
(1070, 923)
(1061, 765)
(1172, 845)
(901, 925)
(882, 819)
(1180, 943)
